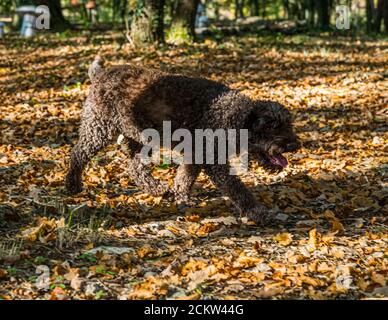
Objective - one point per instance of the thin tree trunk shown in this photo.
(370, 9)
(254, 7)
(124, 12)
(239, 6)
(57, 20)
(183, 23)
(379, 16)
(311, 9)
(264, 8)
(286, 5)
(324, 14)
(385, 15)
(147, 25)
(217, 11)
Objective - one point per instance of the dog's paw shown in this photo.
(72, 190)
(260, 215)
(181, 200)
(73, 186)
(169, 195)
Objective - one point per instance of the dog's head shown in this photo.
(271, 134)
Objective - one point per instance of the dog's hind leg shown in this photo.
(184, 180)
(94, 135)
(139, 171)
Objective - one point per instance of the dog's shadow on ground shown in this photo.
(318, 197)
(209, 203)
(88, 221)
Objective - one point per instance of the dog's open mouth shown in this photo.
(278, 160)
(273, 162)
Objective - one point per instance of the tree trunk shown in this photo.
(239, 7)
(379, 16)
(370, 9)
(385, 15)
(311, 10)
(286, 5)
(57, 20)
(264, 8)
(183, 23)
(124, 12)
(324, 14)
(147, 24)
(254, 7)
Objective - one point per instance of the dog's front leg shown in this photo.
(235, 189)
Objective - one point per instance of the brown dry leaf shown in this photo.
(205, 229)
(284, 238)
(145, 251)
(337, 226)
(379, 278)
(328, 238)
(324, 267)
(328, 214)
(193, 218)
(193, 265)
(298, 258)
(73, 277)
(3, 273)
(312, 281)
(42, 231)
(142, 294)
(58, 294)
(269, 293)
(314, 237)
(174, 230)
(193, 296)
(89, 246)
(200, 276)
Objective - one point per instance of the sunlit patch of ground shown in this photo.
(331, 237)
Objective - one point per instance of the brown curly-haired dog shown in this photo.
(126, 100)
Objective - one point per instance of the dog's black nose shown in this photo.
(293, 146)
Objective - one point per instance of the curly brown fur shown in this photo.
(126, 100)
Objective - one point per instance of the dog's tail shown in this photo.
(95, 68)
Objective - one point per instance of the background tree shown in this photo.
(147, 25)
(149, 17)
(381, 14)
(183, 22)
(239, 8)
(370, 15)
(385, 15)
(324, 14)
(254, 7)
(264, 9)
(57, 20)
(286, 6)
(311, 5)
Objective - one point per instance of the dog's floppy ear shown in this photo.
(255, 120)
(267, 115)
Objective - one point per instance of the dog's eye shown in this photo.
(271, 126)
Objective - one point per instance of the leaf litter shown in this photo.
(113, 241)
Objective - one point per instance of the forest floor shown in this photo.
(112, 241)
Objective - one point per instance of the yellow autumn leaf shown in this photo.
(284, 238)
(337, 226)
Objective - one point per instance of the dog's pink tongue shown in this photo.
(279, 160)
